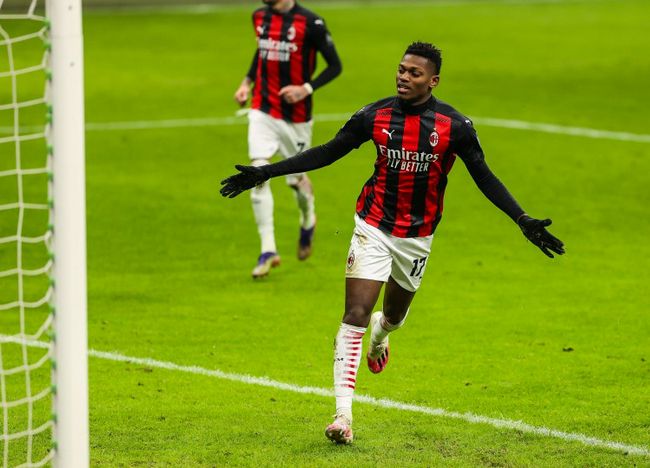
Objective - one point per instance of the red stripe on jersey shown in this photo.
(256, 102)
(433, 202)
(300, 26)
(410, 142)
(273, 70)
(376, 212)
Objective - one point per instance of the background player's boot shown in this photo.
(304, 243)
(340, 431)
(378, 353)
(265, 262)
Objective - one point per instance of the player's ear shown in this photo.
(435, 79)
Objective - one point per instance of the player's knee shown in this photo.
(300, 183)
(261, 192)
(357, 315)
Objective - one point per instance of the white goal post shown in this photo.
(43, 286)
(70, 373)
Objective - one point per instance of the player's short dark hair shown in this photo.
(428, 51)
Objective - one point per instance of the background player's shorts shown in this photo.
(268, 136)
(375, 255)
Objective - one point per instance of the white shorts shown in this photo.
(268, 136)
(375, 255)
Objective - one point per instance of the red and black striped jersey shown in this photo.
(416, 148)
(287, 45)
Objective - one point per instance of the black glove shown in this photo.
(535, 231)
(248, 177)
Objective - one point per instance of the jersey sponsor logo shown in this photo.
(405, 160)
(434, 138)
(279, 51)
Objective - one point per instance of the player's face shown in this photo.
(416, 77)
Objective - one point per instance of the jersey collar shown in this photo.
(419, 109)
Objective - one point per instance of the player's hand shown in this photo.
(293, 93)
(248, 177)
(535, 231)
(241, 95)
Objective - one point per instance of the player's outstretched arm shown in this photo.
(535, 231)
(313, 158)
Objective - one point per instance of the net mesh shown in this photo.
(26, 260)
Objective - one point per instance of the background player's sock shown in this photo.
(305, 199)
(347, 354)
(377, 334)
(262, 200)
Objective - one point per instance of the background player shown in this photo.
(288, 37)
(417, 139)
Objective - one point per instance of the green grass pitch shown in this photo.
(496, 330)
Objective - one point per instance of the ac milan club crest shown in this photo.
(351, 259)
(433, 138)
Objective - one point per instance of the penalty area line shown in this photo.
(381, 402)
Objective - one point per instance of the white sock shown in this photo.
(347, 355)
(379, 333)
(305, 199)
(262, 201)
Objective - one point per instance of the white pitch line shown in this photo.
(383, 403)
(210, 8)
(486, 121)
(380, 402)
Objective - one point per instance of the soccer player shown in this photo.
(417, 138)
(288, 38)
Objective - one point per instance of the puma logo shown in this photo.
(390, 134)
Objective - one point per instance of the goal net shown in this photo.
(33, 363)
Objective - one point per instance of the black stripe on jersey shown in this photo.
(285, 69)
(265, 105)
(387, 222)
(442, 184)
(421, 180)
(370, 183)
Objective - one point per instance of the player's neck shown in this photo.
(417, 102)
(283, 6)
(420, 101)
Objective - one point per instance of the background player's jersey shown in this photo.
(416, 148)
(287, 44)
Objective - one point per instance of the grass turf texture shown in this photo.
(169, 260)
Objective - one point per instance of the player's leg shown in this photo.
(294, 139)
(360, 298)
(262, 145)
(368, 267)
(396, 307)
(409, 262)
